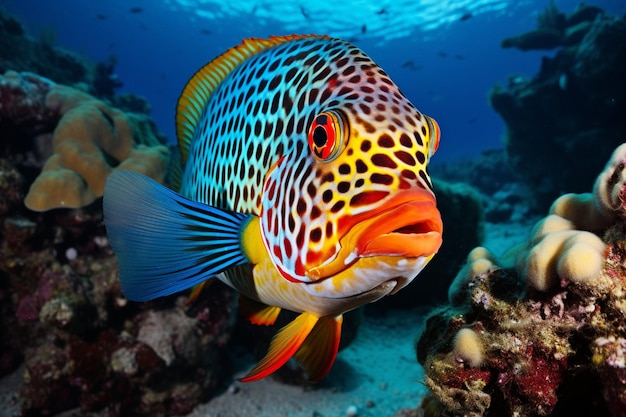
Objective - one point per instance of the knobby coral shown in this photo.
(542, 329)
(89, 140)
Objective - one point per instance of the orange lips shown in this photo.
(407, 225)
(411, 229)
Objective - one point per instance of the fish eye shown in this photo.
(326, 135)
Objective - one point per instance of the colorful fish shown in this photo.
(304, 188)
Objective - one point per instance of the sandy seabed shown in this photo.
(377, 373)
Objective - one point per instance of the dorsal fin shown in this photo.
(199, 88)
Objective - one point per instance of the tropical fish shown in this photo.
(305, 188)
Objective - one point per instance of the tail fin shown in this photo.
(164, 242)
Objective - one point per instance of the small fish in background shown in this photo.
(363, 29)
(442, 54)
(206, 32)
(411, 65)
(466, 16)
(305, 188)
(136, 9)
(381, 11)
(304, 12)
(101, 16)
(459, 57)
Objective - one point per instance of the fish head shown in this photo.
(352, 207)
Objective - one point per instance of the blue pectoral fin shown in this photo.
(164, 242)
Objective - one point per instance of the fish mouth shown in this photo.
(408, 225)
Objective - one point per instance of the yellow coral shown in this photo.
(90, 140)
(569, 254)
(481, 253)
(538, 265)
(582, 258)
(468, 348)
(479, 261)
(583, 211)
(550, 224)
(561, 245)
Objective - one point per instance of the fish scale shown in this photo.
(274, 132)
(305, 188)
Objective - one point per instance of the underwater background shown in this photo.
(444, 55)
(523, 311)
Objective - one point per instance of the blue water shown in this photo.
(444, 64)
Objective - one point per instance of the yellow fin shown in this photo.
(258, 313)
(199, 88)
(318, 352)
(284, 344)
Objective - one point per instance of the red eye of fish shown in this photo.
(326, 136)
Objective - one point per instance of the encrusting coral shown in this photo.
(89, 140)
(540, 330)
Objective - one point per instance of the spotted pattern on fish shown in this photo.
(305, 188)
(258, 122)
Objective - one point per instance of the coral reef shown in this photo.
(84, 345)
(62, 312)
(542, 330)
(88, 141)
(555, 29)
(572, 108)
(21, 53)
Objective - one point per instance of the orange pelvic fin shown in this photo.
(317, 353)
(283, 346)
(258, 313)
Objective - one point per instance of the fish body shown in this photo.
(305, 188)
